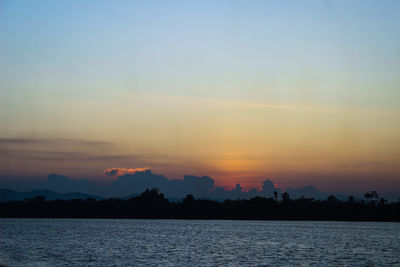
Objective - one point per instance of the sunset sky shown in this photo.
(302, 92)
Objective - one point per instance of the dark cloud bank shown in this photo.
(201, 187)
(131, 184)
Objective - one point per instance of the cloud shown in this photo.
(232, 103)
(197, 184)
(116, 172)
(267, 190)
(135, 181)
(53, 149)
(131, 181)
(54, 141)
(268, 187)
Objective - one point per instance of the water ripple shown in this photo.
(79, 242)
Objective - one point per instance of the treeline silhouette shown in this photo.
(153, 205)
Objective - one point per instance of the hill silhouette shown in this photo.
(11, 195)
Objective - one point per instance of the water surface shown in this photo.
(92, 242)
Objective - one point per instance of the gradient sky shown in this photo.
(303, 92)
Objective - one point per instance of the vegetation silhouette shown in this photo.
(152, 204)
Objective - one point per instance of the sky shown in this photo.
(302, 92)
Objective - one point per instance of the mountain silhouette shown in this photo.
(11, 195)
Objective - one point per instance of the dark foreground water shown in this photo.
(78, 242)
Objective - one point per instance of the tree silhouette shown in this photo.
(285, 197)
(368, 196)
(152, 204)
(371, 195)
(188, 200)
(332, 199)
(351, 200)
(375, 195)
(37, 199)
(275, 195)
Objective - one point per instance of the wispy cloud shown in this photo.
(52, 149)
(235, 103)
(44, 141)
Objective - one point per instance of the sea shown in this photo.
(125, 242)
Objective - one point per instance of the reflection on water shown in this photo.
(79, 242)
